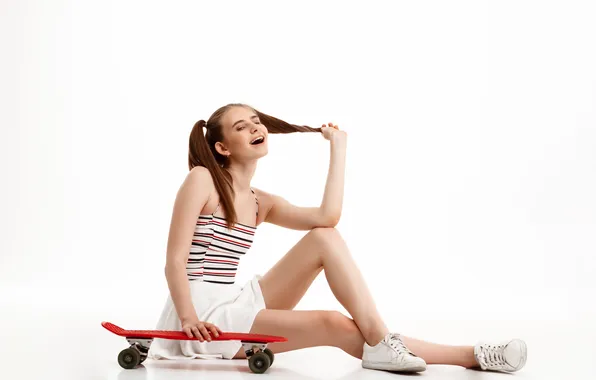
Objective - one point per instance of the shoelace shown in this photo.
(396, 342)
(492, 355)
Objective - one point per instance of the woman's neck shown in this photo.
(242, 175)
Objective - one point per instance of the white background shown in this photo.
(471, 158)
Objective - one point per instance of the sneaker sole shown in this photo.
(392, 367)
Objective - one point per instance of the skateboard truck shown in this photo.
(259, 356)
(136, 353)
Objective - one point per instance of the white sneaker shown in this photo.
(505, 356)
(390, 354)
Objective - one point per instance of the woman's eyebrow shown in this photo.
(241, 120)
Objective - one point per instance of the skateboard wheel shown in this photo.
(270, 354)
(129, 358)
(259, 362)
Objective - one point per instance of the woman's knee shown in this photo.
(324, 234)
(329, 241)
(338, 324)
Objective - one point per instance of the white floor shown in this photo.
(69, 343)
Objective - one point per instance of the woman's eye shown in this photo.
(242, 127)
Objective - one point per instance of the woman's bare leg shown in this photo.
(434, 353)
(287, 281)
(323, 248)
(308, 328)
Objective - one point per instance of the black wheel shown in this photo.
(270, 354)
(259, 362)
(129, 358)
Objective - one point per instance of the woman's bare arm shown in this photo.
(281, 212)
(331, 205)
(190, 200)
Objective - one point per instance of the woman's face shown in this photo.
(241, 126)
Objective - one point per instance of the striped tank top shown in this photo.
(216, 250)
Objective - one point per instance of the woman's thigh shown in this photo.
(302, 328)
(285, 284)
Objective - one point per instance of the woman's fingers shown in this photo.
(196, 332)
(213, 330)
(205, 332)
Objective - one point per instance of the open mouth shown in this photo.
(258, 140)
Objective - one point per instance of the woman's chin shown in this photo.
(256, 153)
(262, 152)
(256, 156)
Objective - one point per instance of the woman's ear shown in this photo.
(221, 149)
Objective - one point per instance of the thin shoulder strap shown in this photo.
(256, 200)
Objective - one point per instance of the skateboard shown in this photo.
(259, 356)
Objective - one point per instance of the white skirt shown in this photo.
(232, 308)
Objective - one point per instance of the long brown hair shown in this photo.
(201, 151)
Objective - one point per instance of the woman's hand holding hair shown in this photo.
(332, 132)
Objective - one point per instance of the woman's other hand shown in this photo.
(201, 330)
(331, 131)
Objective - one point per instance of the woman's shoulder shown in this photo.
(200, 174)
(200, 177)
(264, 198)
(260, 193)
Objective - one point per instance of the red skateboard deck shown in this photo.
(181, 335)
(259, 356)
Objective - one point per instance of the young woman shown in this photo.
(215, 218)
